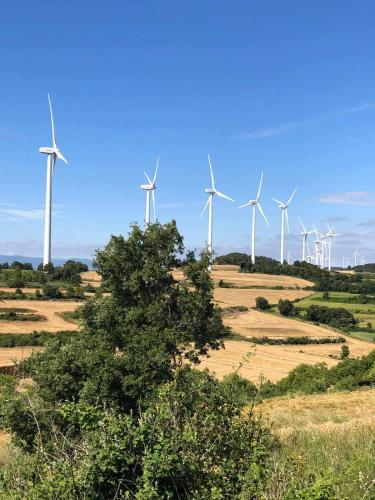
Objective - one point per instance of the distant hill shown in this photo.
(35, 261)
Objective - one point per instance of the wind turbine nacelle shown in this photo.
(210, 191)
(47, 151)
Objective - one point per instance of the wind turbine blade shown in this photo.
(153, 202)
(287, 220)
(222, 195)
(278, 201)
(206, 205)
(156, 171)
(303, 227)
(260, 186)
(52, 122)
(148, 178)
(291, 198)
(329, 229)
(60, 156)
(245, 205)
(261, 211)
(212, 174)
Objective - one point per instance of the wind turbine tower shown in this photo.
(211, 193)
(356, 255)
(329, 237)
(255, 204)
(150, 188)
(52, 152)
(284, 217)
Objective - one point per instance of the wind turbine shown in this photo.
(211, 193)
(304, 235)
(319, 248)
(284, 216)
(150, 188)
(329, 236)
(255, 203)
(356, 255)
(52, 152)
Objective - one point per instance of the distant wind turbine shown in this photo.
(356, 255)
(255, 203)
(211, 193)
(304, 235)
(52, 153)
(284, 216)
(150, 188)
(329, 236)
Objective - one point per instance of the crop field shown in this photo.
(246, 297)
(90, 277)
(51, 309)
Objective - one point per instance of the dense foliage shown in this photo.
(262, 303)
(337, 317)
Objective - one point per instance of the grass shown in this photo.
(328, 438)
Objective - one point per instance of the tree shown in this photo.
(325, 296)
(16, 280)
(286, 308)
(262, 303)
(133, 340)
(51, 291)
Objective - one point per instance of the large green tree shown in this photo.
(158, 314)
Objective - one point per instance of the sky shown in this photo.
(284, 87)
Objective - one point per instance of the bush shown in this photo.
(286, 308)
(344, 352)
(51, 292)
(262, 303)
(325, 296)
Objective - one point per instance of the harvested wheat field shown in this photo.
(11, 355)
(322, 412)
(246, 297)
(50, 309)
(254, 323)
(13, 290)
(274, 362)
(230, 274)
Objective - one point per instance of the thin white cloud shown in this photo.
(32, 214)
(264, 133)
(359, 198)
(360, 107)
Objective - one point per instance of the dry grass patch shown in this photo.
(323, 412)
(246, 297)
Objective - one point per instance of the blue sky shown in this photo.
(287, 87)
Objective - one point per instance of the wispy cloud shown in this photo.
(33, 214)
(335, 219)
(169, 205)
(360, 107)
(359, 198)
(264, 133)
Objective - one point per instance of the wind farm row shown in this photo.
(322, 254)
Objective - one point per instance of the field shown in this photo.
(10, 355)
(51, 309)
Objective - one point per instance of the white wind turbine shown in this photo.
(255, 203)
(356, 255)
(211, 193)
(150, 188)
(284, 216)
(52, 152)
(304, 235)
(329, 236)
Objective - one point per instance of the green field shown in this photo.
(364, 313)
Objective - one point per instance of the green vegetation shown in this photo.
(34, 338)
(286, 308)
(288, 340)
(16, 316)
(262, 303)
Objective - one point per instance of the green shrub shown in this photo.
(51, 292)
(262, 303)
(344, 352)
(325, 296)
(286, 308)
(338, 317)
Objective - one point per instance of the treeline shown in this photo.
(323, 280)
(34, 339)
